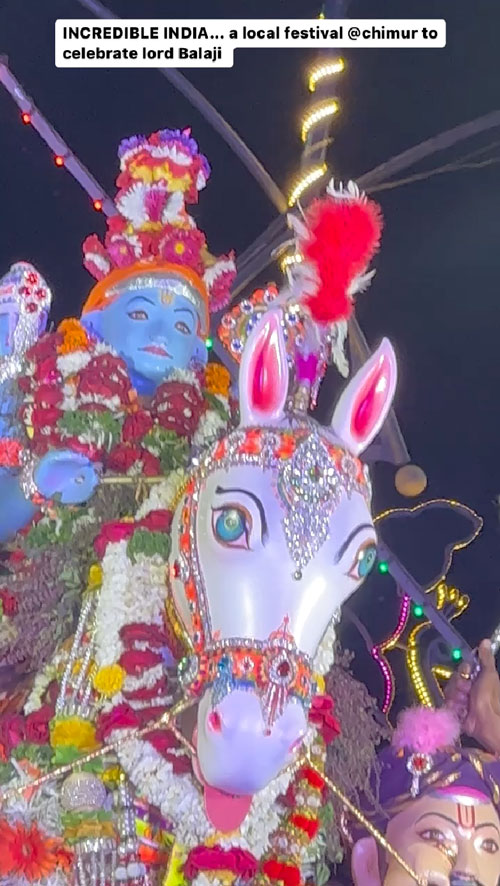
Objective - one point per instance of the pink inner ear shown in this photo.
(371, 400)
(265, 373)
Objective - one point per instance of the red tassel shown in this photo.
(344, 235)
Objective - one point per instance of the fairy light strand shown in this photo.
(304, 181)
(322, 72)
(317, 114)
(379, 650)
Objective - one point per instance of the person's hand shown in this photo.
(477, 702)
(68, 475)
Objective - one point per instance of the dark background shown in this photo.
(436, 291)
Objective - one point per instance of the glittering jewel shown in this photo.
(224, 682)
(418, 765)
(310, 488)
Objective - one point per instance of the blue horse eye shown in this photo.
(366, 560)
(230, 525)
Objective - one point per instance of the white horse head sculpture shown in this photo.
(273, 534)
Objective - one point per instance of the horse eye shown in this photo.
(231, 526)
(182, 327)
(138, 315)
(364, 561)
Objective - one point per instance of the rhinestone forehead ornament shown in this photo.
(310, 485)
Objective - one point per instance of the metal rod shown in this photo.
(54, 141)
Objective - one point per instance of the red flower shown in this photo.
(178, 407)
(48, 395)
(288, 874)
(10, 453)
(10, 604)
(46, 369)
(122, 457)
(214, 858)
(121, 717)
(116, 224)
(310, 826)
(312, 777)
(12, 731)
(136, 426)
(121, 251)
(45, 347)
(143, 633)
(151, 465)
(17, 556)
(157, 521)
(111, 533)
(37, 725)
(43, 418)
(321, 714)
(134, 661)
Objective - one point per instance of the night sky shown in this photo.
(436, 290)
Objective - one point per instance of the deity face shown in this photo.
(455, 832)
(154, 330)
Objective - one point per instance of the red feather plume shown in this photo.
(344, 235)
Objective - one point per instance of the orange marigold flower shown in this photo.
(217, 379)
(25, 851)
(74, 336)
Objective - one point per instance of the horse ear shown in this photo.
(263, 380)
(366, 401)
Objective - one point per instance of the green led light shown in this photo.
(418, 610)
(383, 567)
(456, 654)
(209, 343)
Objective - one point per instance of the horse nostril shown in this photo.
(214, 722)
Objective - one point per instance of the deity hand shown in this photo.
(477, 702)
(366, 871)
(68, 475)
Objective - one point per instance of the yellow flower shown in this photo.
(109, 680)
(77, 667)
(217, 379)
(73, 732)
(74, 336)
(111, 776)
(94, 580)
(320, 683)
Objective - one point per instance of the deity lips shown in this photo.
(157, 350)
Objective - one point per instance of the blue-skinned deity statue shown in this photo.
(156, 284)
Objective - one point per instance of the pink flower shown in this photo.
(121, 251)
(184, 247)
(95, 260)
(121, 717)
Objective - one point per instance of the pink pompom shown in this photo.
(425, 731)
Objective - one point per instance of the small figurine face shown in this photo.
(154, 330)
(456, 833)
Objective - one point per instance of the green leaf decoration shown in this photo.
(101, 428)
(149, 543)
(169, 447)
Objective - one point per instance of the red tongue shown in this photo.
(225, 811)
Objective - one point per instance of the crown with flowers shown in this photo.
(152, 233)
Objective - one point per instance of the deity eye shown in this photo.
(138, 315)
(364, 561)
(182, 327)
(433, 835)
(231, 526)
(490, 846)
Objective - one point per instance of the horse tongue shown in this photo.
(225, 811)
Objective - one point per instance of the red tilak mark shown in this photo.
(466, 816)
